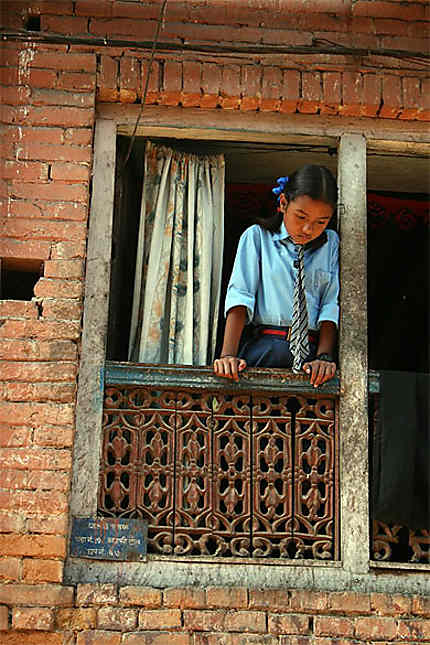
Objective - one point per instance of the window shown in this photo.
(354, 513)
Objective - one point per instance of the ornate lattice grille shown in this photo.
(223, 474)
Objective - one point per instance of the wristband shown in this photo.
(325, 357)
(228, 356)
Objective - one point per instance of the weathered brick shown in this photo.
(375, 628)
(333, 626)
(290, 91)
(42, 546)
(273, 599)
(56, 288)
(80, 81)
(4, 618)
(228, 597)
(68, 250)
(288, 624)
(312, 601)
(349, 602)
(390, 604)
(53, 436)
(30, 618)
(11, 523)
(187, 597)
(48, 524)
(421, 606)
(70, 172)
(28, 249)
(36, 570)
(37, 351)
(156, 638)
(98, 638)
(30, 171)
(117, 618)
(97, 594)
(34, 372)
(245, 621)
(10, 569)
(391, 96)
(53, 151)
(32, 638)
(201, 620)
(147, 597)
(69, 269)
(415, 630)
(40, 329)
(76, 619)
(68, 61)
(49, 191)
(158, 619)
(352, 93)
(36, 413)
(62, 309)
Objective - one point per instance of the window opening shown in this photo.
(398, 290)
(18, 278)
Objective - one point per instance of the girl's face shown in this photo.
(305, 218)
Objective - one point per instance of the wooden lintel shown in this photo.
(234, 125)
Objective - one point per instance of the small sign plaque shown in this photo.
(103, 538)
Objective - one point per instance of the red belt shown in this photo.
(286, 333)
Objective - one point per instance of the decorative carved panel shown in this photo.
(223, 474)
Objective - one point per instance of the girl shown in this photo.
(285, 284)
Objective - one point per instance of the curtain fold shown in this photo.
(179, 258)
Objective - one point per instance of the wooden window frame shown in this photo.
(355, 566)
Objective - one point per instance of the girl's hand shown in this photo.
(229, 367)
(320, 371)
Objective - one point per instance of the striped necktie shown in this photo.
(299, 340)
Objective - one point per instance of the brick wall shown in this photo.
(109, 615)
(49, 93)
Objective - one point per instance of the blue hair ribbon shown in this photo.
(280, 188)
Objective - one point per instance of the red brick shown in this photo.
(4, 618)
(70, 172)
(10, 571)
(25, 170)
(332, 86)
(290, 91)
(288, 624)
(13, 479)
(416, 630)
(68, 61)
(28, 249)
(192, 72)
(147, 597)
(381, 9)
(108, 72)
(211, 79)
(62, 309)
(51, 192)
(50, 210)
(48, 480)
(153, 92)
(75, 81)
(11, 523)
(42, 78)
(107, 95)
(97, 594)
(349, 602)
(65, 25)
(391, 95)
(45, 595)
(17, 309)
(152, 638)
(186, 598)
(40, 329)
(390, 604)
(29, 618)
(53, 288)
(54, 152)
(35, 570)
(333, 626)
(98, 638)
(68, 250)
(371, 97)
(32, 638)
(78, 137)
(373, 627)
(56, 116)
(33, 501)
(76, 619)
(48, 524)
(36, 413)
(245, 621)
(53, 437)
(129, 74)
(273, 599)
(15, 95)
(206, 621)
(421, 606)
(22, 350)
(117, 618)
(412, 44)
(309, 601)
(172, 78)
(227, 597)
(14, 437)
(60, 97)
(158, 619)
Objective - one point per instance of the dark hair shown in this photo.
(317, 182)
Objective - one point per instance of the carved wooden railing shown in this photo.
(246, 470)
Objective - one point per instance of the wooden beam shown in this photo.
(86, 458)
(353, 417)
(234, 125)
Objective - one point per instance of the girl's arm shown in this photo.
(323, 370)
(228, 365)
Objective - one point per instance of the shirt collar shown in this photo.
(282, 236)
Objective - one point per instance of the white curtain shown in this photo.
(179, 258)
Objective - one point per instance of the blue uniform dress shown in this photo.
(263, 280)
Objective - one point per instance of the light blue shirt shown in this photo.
(263, 278)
